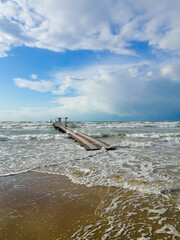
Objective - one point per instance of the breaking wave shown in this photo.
(27, 137)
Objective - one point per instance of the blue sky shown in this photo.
(90, 60)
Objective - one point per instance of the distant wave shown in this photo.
(24, 125)
(153, 135)
(106, 135)
(28, 137)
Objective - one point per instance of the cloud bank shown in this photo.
(95, 25)
(131, 91)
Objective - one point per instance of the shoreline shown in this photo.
(48, 206)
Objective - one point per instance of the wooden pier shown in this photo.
(84, 140)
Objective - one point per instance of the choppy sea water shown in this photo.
(146, 163)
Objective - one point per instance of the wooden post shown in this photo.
(66, 121)
(59, 120)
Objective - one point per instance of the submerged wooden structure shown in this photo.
(89, 143)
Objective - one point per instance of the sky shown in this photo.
(105, 60)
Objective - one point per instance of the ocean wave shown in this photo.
(135, 135)
(134, 125)
(87, 125)
(153, 135)
(15, 173)
(28, 137)
(25, 125)
(131, 144)
(106, 135)
(85, 176)
(156, 138)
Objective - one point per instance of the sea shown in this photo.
(145, 166)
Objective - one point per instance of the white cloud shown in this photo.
(172, 71)
(133, 72)
(96, 25)
(112, 90)
(33, 76)
(40, 86)
(149, 74)
(108, 90)
(129, 90)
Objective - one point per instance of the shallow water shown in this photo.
(145, 164)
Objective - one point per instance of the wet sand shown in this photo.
(36, 206)
(42, 206)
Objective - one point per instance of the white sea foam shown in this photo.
(24, 125)
(123, 170)
(170, 230)
(129, 144)
(146, 159)
(153, 135)
(129, 125)
(28, 137)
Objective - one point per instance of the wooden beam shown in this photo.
(88, 138)
(83, 139)
(83, 142)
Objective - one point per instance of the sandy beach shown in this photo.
(44, 207)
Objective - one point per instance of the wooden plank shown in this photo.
(59, 127)
(62, 129)
(91, 139)
(97, 142)
(83, 142)
(94, 141)
(83, 139)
